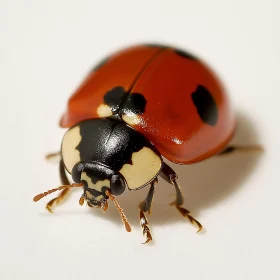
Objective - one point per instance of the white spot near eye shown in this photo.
(104, 111)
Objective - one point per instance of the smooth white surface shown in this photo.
(46, 48)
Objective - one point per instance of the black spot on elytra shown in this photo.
(206, 106)
(114, 98)
(135, 103)
(121, 102)
(100, 64)
(185, 54)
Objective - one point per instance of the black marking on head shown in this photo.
(100, 64)
(135, 103)
(93, 192)
(206, 106)
(185, 54)
(97, 172)
(113, 98)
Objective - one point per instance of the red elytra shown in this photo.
(172, 120)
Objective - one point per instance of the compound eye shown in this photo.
(76, 172)
(118, 184)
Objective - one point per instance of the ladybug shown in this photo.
(135, 108)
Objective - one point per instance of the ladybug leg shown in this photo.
(169, 175)
(64, 180)
(145, 227)
(145, 206)
(53, 156)
(57, 200)
(233, 149)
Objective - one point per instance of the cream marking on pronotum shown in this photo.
(104, 111)
(70, 141)
(145, 166)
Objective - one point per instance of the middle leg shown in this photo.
(145, 206)
(64, 180)
(240, 149)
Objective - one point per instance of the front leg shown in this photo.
(64, 180)
(53, 156)
(169, 175)
(146, 206)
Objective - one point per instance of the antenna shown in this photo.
(41, 195)
(124, 219)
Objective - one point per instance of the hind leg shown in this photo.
(168, 174)
(53, 156)
(232, 149)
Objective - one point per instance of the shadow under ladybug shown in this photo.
(205, 183)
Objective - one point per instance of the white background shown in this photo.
(46, 48)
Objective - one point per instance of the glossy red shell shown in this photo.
(167, 79)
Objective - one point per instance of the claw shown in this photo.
(49, 205)
(81, 200)
(57, 200)
(149, 238)
(186, 213)
(145, 227)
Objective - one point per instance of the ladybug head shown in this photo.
(98, 181)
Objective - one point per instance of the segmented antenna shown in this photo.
(124, 219)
